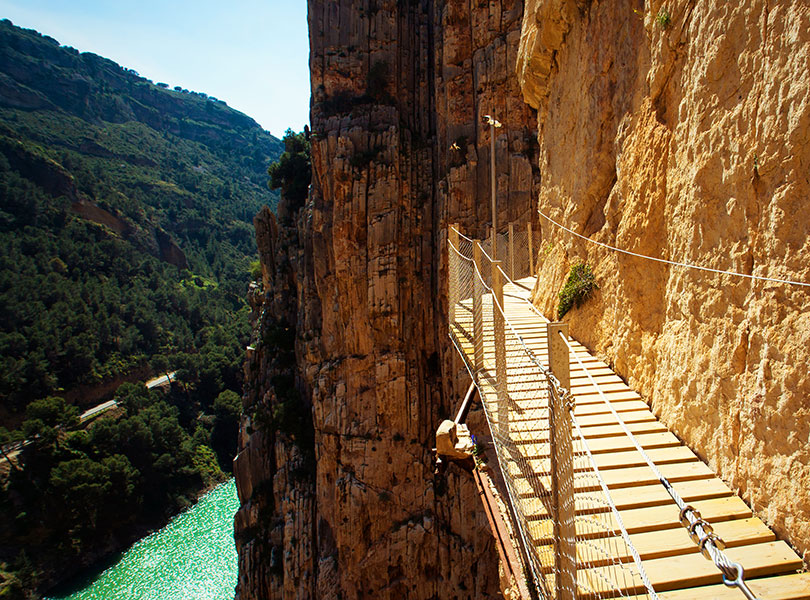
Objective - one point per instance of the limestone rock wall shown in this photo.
(680, 130)
(358, 273)
(274, 528)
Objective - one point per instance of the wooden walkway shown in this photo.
(671, 559)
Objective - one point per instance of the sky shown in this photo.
(253, 54)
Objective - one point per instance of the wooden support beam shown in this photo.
(512, 251)
(461, 416)
(506, 549)
(499, 323)
(562, 467)
(452, 271)
(531, 248)
(478, 309)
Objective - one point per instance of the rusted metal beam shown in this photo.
(503, 540)
(461, 416)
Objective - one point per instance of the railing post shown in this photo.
(512, 251)
(531, 248)
(452, 271)
(562, 467)
(494, 245)
(478, 309)
(500, 348)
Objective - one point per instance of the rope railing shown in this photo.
(700, 531)
(574, 541)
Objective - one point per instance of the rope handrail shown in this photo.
(700, 530)
(461, 235)
(617, 515)
(672, 262)
(601, 543)
(511, 401)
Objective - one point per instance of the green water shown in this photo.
(192, 558)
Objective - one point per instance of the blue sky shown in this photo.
(251, 53)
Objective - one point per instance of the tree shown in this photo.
(160, 364)
(292, 172)
(82, 484)
(53, 411)
(7, 437)
(227, 412)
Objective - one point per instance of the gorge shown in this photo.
(676, 131)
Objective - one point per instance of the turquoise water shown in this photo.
(192, 558)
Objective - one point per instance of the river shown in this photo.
(191, 558)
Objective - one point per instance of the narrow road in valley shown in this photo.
(160, 380)
(100, 408)
(14, 449)
(105, 406)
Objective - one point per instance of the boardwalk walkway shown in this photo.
(623, 520)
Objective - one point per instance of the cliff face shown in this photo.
(352, 508)
(680, 131)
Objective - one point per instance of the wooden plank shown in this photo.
(654, 518)
(660, 439)
(600, 408)
(539, 448)
(634, 476)
(593, 432)
(655, 494)
(671, 542)
(594, 397)
(525, 398)
(795, 586)
(633, 416)
(674, 542)
(690, 570)
(631, 477)
(614, 460)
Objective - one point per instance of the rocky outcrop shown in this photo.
(398, 151)
(170, 252)
(680, 131)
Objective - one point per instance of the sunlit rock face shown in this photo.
(352, 509)
(681, 132)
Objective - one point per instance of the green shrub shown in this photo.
(663, 18)
(256, 270)
(577, 288)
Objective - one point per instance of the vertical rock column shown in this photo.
(360, 276)
(383, 529)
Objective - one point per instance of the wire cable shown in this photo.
(699, 529)
(672, 262)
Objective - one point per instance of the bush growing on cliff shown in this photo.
(663, 18)
(292, 172)
(577, 288)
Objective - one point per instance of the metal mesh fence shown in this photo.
(569, 529)
(517, 251)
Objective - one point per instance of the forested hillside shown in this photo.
(125, 218)
(126, 246)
